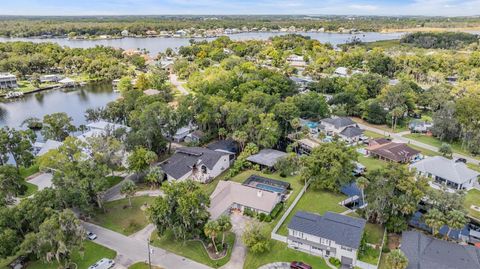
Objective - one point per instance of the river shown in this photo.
(76, 101)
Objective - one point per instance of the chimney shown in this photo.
(259, 194)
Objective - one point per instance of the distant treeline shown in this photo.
(138, 25)
(444, 40)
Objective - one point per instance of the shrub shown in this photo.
(276, 210)
(334, 261)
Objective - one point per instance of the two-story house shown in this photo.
(330, 235)
(343, 127)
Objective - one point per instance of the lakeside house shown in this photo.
(387, 150)
(447, 173)
(267, 158)
(330, 235)
(40, 148)
(196, 163)
(425, 252)
(50, 78)
(297, 61)
(67, 82)
(228, 146)
(233, 196)
(343, 127)
(8, 81)
(151, 92)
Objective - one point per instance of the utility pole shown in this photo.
(149, 252)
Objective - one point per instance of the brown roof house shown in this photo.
(387, 150)
(229, 195)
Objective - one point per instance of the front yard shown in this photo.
(121, 218)
(279, 252)
(433, 141)
(91, 254)
(317, 202)
(192, 249)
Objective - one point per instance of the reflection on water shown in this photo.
(72, 101)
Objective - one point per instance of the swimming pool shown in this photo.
(269, 188)
(312, 125)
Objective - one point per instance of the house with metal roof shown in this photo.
(425, 252)
(330, 235)
(267, 157)
(196, 163)
(447, 173)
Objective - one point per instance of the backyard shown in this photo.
(371, 163)
(91, 254)
(317, 202)
(472, 198)
(373, 235)
(192, 249)
(122, 218)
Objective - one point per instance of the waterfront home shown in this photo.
(387, 150)
(231, 196)
(40, 148)
(267, 158)
(196, 163)
(330, 235)
(51, 78)
(102, 128)
(67, 82)
(151, 92)
(343, 127)
(8, 81)
(228, 146)
(425, 252)
(447, 173)
(296, 61)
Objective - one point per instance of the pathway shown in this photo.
(398, 136)
(178, 84)
(41, 180)
(134, 249)
(239, 252)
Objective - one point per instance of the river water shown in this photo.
(76, 101)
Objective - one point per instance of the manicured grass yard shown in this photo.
(472, 198)
(425, 152)
(433, 141)
(371, 163)
(372, 134)
(142, 265)
(370, 256)
(279, 252)
(317, 202)
(91, 254)
(121, 218)
(192, 249)
(26, 172)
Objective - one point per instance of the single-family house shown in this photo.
(50, 78)
(228, 146)
(8, 81)
(306, 145)
(40, 148)
(296, 61)
(341, 72)
(446, 172)
(419, 126)
(151, 92)
(301, 82)
(67, 82)
(330, 235)
(182, 132)
(425, 252)
(343, 127)
(387, 150)
(102, 128)
(194, 137)
(167, 65)
(233, 196)
(196, 163)
(267, 157)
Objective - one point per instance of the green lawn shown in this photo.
(31, 189)
(92, 253)
(113, 180)
(317, 202)
(374, 233)
(473, 166)
(142, 265)
(121, 218)
(193, 250)
(26, 172)
(433, 141)
(279, 252)
(370, 256)
(372, 134)
(294, 181)
(424, 151)
(472, 198)
(401, 127)
(371, 163)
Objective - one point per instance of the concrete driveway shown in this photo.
(42, 180)
(237, 260)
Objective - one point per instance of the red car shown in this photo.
(299, 265)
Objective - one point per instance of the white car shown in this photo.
(91, 236)
(104, 263)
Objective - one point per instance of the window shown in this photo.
(346, 248)
(324, 241)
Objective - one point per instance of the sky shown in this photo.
(247, 7)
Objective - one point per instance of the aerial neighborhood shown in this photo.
(262, 142)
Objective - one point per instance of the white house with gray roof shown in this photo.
(330, 235)
(344, 127)
(196, 163)
(425, 252)
(445, 172)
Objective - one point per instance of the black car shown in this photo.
(461, 160)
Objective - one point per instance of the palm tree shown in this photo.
(362, 183)
(241, 137)
(434, 219)
(155, 176)
(455, 220)
(128, 188)
(397, 260)
(211, 230)
(225, 225)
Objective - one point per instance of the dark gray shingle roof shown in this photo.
(425, 252)
(339, 122)
(228, 145)
(344, 230)
(185, 158)
(351, 131)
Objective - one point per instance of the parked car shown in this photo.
(104, 263)
(299, 265)
(461, 160)
(91, 236)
